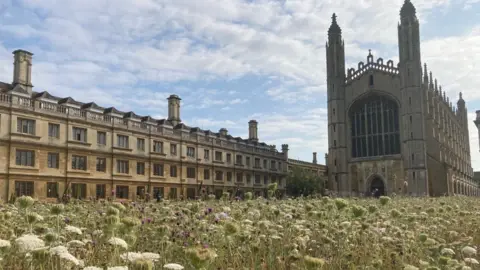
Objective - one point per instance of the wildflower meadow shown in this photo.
(322, 233)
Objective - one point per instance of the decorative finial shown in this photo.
(460, 95)
(334, 28)
(369, 52)
(431, 77)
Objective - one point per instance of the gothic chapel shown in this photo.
(391, 127)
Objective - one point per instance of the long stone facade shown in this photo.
(391, 127)
(51, 146)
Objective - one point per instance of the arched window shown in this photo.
(370, 80)
(374, 127)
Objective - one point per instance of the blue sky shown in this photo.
(230, 60)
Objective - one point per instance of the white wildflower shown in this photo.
(29, 242)
(469, 251)
(92, 268)
(4, 243)
(151, 256)
(471, 260)
(173, 266)
(118, 242)
(118, 268)
(410, 267)
(75, 243)
(447, 251)
(73, 229)
(131, 256)
(63, 253)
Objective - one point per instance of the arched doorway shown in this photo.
(377, 184)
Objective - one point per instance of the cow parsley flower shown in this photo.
(118, 242)
(73, 229)
(173, 266)
(29, 242)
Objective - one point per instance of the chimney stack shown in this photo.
(253, 130)
(174, 109)
(285, 151)
(22, 69)
(223, 132)
(314, 157)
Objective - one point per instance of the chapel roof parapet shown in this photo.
(379, 65)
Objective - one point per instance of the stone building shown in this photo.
(391, 127)
(313, 167)
(51, 145)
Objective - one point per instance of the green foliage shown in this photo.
(303, 182)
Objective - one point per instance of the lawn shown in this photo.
(325, 233)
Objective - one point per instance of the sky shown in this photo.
(231, 60)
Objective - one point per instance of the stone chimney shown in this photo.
(174, 109)
(285, 151)
(314, 157)
(223, 132)
(253, 130)
(22, 69)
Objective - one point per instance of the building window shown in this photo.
(122, 141)
(229, 176)
(101, 164)
(218, 156)
(190, 151)
(79, 163)
(24, 188)
(122, 192)
(157, 147)
(79, 191)
(219, 176)
(273, 165)
(158, 169)
(247, 161)
(173, 149)
(248, 178)
(101, 191)
(52, 190)
(140, 191)
(265, 164)
(141, 168)
(52, 160)
(229, 158)
(173, 171)
(158, 191)
(239, 160)
(141, 144)
(206, 174)
(122, 166)
(25, 158)
(370, 80)
(206, 154)
(257, 179)
(375, 127)
(79, 134)
(173, 193)
(239, 177)
(53, 130)
(101, 138)
(257, 163)
(26, 126)
(190, 172)
(265, 180)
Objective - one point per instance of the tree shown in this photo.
(304, 182)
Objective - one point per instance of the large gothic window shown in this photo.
(374, 127)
